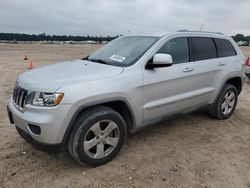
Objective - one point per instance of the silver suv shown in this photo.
(89, 105)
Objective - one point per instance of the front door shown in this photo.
(170, 90)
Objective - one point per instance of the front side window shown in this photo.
(178, 49)
(203, 48)
(123, 51)
(224, 48)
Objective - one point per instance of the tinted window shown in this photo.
(203, 48)
(224, 47)
(178, 49)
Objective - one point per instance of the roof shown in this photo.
(209, 32)
(205, 32)
(161, 34)
(148, 34)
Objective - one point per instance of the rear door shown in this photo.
(227, 56)
(207, 69)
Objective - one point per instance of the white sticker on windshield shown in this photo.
(117, 58)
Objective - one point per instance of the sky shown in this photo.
(115, 17)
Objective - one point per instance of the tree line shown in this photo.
(240, 37)
(45, 37)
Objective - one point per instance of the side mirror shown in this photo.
(160, 60)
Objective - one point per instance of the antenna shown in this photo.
(201, 27)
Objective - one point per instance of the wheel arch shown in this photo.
(236, 82)
(120, 105)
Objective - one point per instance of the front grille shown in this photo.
(19, 97)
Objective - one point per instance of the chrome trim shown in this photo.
(19, 98)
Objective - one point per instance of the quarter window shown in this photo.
(224, 48)
(203, 48)
(178, 49)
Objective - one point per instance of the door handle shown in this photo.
(221, 64)
(188, 69)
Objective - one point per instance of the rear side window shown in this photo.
(203, 48)
(224, 48)
(178, 49)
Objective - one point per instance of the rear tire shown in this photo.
(226, 103)
(98, 135)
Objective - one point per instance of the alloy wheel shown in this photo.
(101, 139)
(228, 103)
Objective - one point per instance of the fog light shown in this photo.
(35, 129)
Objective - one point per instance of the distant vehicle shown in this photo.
(90, 42)
(89, 105)
(247, 68)
(243, 43)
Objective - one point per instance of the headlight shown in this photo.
(44, 99)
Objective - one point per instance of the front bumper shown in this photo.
(52, 121)
(52, 148)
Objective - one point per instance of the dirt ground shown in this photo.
(192, 151)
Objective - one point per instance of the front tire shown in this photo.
(98, 136)
(226, 103)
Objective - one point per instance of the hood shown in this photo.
(51, 77)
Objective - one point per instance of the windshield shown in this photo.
(123, 51)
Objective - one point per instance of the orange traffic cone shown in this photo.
(25, 57)
(30, 65)
(247, 63)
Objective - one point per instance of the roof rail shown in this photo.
(200, 31)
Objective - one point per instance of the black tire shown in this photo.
(216, 108)
(81, 129)
(248, 77)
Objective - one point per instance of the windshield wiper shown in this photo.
(85, 58)
(95, 60)
(98, 61)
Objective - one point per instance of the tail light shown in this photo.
(247, 62)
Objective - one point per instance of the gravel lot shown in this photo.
(192, 151)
